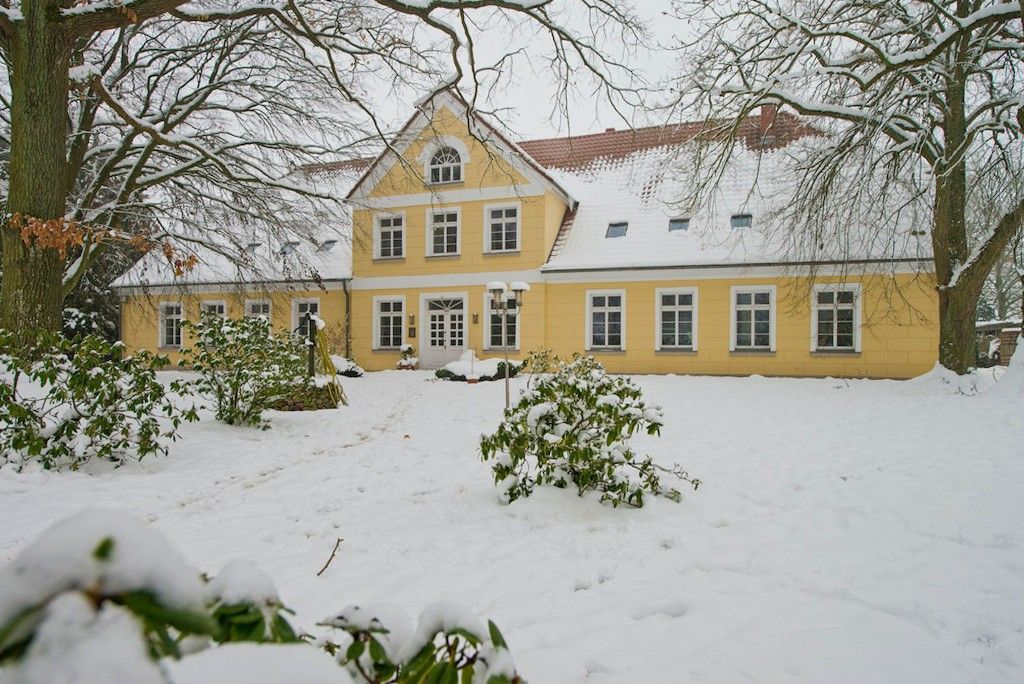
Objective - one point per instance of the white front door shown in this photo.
(446, 331)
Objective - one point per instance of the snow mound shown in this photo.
(944, 381)
(243, 582)
(346, 367)
(469, 366)
(100, 551)
(1010, 387)
(76, 644)
(251, 663)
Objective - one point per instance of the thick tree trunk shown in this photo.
(32, 292)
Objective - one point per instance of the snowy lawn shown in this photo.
(860, 531)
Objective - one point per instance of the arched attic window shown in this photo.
(445, 166)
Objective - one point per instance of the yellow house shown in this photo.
(614, 268)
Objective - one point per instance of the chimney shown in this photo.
(766, 124)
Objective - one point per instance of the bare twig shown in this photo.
(335, 551)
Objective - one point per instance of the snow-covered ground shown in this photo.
(846, 531)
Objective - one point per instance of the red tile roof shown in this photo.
(765, 130)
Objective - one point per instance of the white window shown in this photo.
(301, 307)
(676, 320)
(502, 332)
(388, 322)
(389, 237)
(217, 308)
(445, 166)
(443, 232)
(257, 307)
(752, 324)
(835, 318)
(501, 228)
(170, 324)
(606, 311)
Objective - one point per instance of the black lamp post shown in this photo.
(507, 298)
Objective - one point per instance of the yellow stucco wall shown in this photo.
(140, 314)
(899, 338)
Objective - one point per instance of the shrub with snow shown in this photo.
(100, 597)
(469, 366)
(66, 402)
(572, 428)
(245, 367)
(448, 645)
(408, 360)
(347, 367)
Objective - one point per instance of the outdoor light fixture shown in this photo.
(507, 298)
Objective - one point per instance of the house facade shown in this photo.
(614, 268)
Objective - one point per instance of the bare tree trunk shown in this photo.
(31, 295)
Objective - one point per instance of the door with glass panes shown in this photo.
(445, 334)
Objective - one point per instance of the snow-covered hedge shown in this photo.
(67, 402)
(572, 427)
(469, 366)
(245, 367)
(100, 597)
(347, 367)
(449, 644)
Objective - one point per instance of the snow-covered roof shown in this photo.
(642, 189)
(236, 254)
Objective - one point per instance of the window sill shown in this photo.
(444, 256)
(835, 352)
(169, 349)
(510, 350)
(389, 258)
(606, 350)
(443, 184)
(387, 349)
(676, 350)
(502, 252)
(752, 352)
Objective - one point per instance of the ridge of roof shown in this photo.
(759, 131)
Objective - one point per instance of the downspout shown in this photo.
(348, 318)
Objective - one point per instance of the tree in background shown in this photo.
(916, 97)
(157, 123)
(987, 201)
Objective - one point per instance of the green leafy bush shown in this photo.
(64, 403)
(572, 428)
(513, 370)
(101, 594)
(245, 367)
(448, 646)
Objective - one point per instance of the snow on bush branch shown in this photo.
(101, 597)
(66, 402)
(573, 427)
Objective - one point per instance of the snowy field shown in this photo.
(861, 531)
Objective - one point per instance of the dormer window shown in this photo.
(288, 248)
(617, 229)
(445, 166)
(742, 221)
(678, 224)
(327, 245)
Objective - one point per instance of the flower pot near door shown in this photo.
(408, 361)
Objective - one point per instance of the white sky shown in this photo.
(528, 88)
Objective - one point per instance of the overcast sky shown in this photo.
(526, 97)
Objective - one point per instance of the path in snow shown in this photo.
(846, 532)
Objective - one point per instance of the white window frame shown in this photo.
(590, 294)
(429, 233)
(214, 302)
(836, 287)
(658, 292)
(376, 321)
(488, 300)
(295, 309)
(488, 208)
(268, 302)
(161, 319)
(428, 177)
(772, 317)
(377, 231)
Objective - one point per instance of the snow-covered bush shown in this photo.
(448, 645)
(408, 360)
(67, 402)
(572, 427)
(245, 367)
(100, 597)
(100, 592)
(347, 367)
(469, 366)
